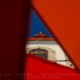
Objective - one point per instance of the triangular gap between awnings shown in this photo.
(53, 34)
(34, 24)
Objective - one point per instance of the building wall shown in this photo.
(55, 53)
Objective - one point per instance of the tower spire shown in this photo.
(41, 32)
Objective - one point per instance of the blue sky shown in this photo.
(36, 25)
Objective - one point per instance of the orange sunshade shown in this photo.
(62, 18)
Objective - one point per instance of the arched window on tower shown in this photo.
(39, 52)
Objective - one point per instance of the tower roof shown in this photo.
(40, 37)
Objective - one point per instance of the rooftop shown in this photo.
(40, 37)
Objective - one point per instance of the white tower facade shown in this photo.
(45, 47)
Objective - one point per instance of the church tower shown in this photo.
(43, 46)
